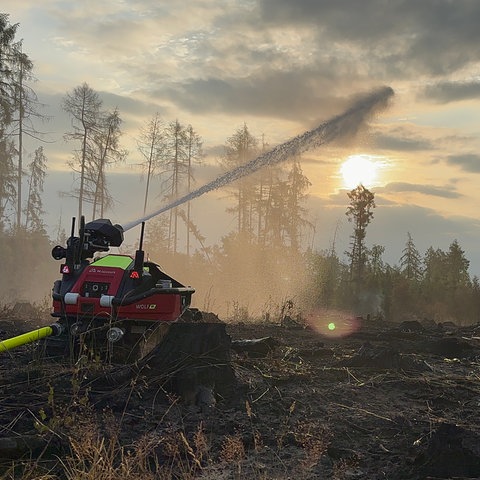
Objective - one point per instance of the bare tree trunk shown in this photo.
(82, 173)
(20, 148)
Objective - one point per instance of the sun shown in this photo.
(358, 169)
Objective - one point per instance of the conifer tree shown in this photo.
(34, 209)
(411, 261)
(8, 175)
(360, 214)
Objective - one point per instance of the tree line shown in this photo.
(261, 265)
(433, 286)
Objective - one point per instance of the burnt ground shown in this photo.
(384, 401)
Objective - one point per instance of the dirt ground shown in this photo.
(348, 398)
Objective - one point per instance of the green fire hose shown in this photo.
(29, 337)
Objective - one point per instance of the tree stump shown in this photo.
(190, 358)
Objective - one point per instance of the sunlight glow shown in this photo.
(359, 169)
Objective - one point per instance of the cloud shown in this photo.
(431, 190)
(280, 95)
(431, 36)
(296, 60)
(446, 92)
(402, 143)
(469, 162)
(135, 109)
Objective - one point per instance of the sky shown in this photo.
(282, 67)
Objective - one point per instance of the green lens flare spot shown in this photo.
(331, 326)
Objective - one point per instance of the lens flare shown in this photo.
(332, 323)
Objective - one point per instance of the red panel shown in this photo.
(157, 308)
(112, 275)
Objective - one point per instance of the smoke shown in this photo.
(339, 127)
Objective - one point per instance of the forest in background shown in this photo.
(261, 268)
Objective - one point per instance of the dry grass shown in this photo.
(96, 450)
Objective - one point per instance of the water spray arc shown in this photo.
(344, 125)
